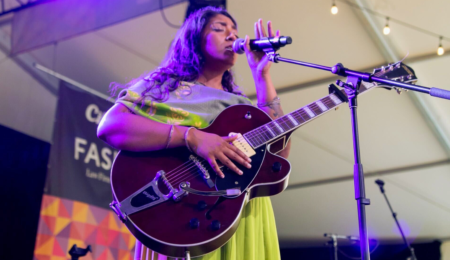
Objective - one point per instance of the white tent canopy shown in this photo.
(395, 131)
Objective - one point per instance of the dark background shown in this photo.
(23, 166)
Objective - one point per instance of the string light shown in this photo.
(440, 50)
(334, 9)
(386, 29)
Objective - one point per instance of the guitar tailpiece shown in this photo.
(115, 207)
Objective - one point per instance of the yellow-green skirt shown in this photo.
(255, 239)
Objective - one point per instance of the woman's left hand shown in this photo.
(257, 60)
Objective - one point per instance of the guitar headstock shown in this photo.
(397, 72)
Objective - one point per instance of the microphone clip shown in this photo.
(273, 56)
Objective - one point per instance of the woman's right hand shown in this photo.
(212, 147)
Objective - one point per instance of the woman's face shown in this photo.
(217, 41)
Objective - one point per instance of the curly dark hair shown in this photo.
(185, 60)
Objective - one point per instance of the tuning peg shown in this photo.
(398, 65)
(409, 76)
(399, 91)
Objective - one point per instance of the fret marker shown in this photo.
(321, 105)
(278, 126)
(335, 99)
(292, 120)
(310, 113)
(270, 131)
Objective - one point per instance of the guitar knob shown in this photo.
(201, 205)
(276, 167)
(194, 223)
(248, 115)
(215, 225)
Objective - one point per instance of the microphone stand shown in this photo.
(334, 244)
(351, 87)
(380, 183)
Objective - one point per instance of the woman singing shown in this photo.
(165, 109)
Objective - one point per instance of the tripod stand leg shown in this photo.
(188, 256)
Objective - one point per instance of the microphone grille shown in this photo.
(238, 46)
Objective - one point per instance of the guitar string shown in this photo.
(185, 173)
(326, 100)
(175, 175)
(258, 133)
(176, 168)
(172, 172)
(284, 123)
(194, 173)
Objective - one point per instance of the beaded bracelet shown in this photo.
(185, 138)
(170, 136)
(275, 101)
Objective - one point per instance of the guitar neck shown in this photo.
(275, 129)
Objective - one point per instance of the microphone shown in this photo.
(272, 43)
(381, 184)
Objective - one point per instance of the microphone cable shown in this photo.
(161, 10)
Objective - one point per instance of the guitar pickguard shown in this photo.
(233, 180)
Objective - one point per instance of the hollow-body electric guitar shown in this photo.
(172, 201)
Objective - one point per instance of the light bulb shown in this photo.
(386, 30)
(440, 50)
(334, 9)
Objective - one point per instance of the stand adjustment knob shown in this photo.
(276, 167)
(201, 205)
(194, 223)
(365, 201)
(215, 225)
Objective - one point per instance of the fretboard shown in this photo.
(287, 123)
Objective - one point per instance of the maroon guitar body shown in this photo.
(148, 187)
(172, 228)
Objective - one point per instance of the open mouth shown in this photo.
(229, 48)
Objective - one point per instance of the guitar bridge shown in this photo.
(203, 169)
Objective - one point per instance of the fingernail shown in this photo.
(249, 165)
(240, 172)
(222, 176)
(249, 160)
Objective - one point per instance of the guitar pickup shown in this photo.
(242, 144)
